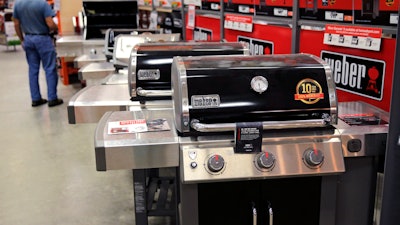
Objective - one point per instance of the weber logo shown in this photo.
(201, 34)
(358, 75)
(257, 46)
(148, 74)
(205, 101)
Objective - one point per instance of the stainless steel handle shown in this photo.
(271, 216)
(153, 93)
(254, 211)
(267, 125)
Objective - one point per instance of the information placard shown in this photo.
(353, 37)
(241, 23)
(137, 126)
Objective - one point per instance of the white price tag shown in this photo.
(215, 6)
(280, 12)
(332, 15)
(191, 17)
(394, 18)
(244, 9)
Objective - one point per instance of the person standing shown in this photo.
(33, 22)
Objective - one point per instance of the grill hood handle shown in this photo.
(267, 125)
(153, 93)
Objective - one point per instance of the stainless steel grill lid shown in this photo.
(112, 33)
(124, 43)
(211, 93)
(149, 71)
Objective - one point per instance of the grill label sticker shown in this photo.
(205, 101)
(357, 75)
(149, 74)
(248, 137)
(308, 91)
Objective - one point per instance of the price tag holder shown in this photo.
(248, 137)
(241, 23)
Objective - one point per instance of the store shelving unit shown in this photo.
(168, 18)
(8, 36)
(294, 22)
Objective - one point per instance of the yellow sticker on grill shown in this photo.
(308, 91)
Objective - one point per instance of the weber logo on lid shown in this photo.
(149, 74)
(205, 101)
(358, 75)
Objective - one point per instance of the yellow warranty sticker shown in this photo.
(308, 91)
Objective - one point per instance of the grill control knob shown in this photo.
(265, 161)
(215, 163)
(313, 157)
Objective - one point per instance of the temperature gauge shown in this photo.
(259, 84)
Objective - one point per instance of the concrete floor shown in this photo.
(47, 169)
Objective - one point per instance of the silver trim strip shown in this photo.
(267, 125)
(132, 72)
(331, 89)
(153, 93)
(180, 94)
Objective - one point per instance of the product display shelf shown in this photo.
(8, 37)
(294, 22)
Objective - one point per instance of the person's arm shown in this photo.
(18, 30)
(52, 26)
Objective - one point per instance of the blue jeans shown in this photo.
(40, 48)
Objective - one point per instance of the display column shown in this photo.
(391, 185)
(295, 28)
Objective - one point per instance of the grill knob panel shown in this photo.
(265, 161)
(215, 163)
(313, 158)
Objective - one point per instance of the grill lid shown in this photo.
(124, 43)
(111, 33)
(149, 71)
(212, 93)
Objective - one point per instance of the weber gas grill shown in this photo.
(263, 131)
(255, 140)
(125, 43)
(149, 71)
(111, 34)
